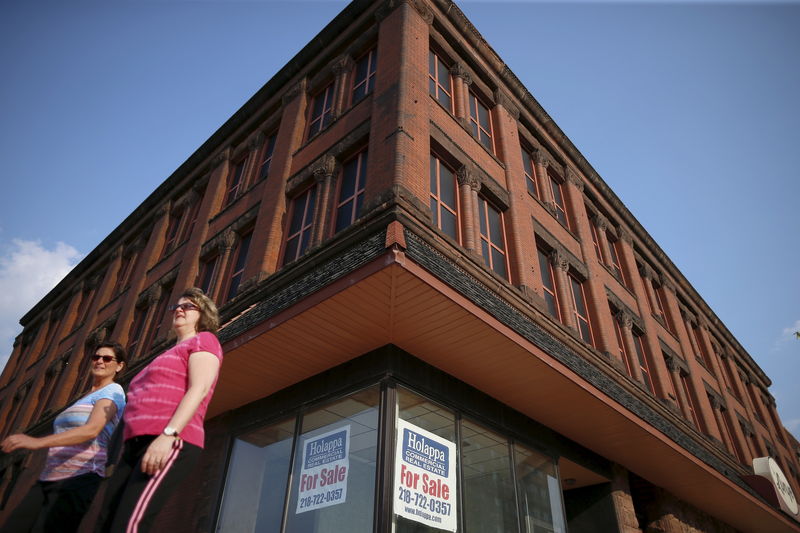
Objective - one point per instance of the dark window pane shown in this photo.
(435, 212)
(343, 215)
(444, 99)
(449, 224)
(489, 503)
(495, 228)
(499, 263)
(485, 252)
(448, 185)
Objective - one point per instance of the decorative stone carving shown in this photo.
(573, 178)
(459, 71)
(162, 211)
(667, 284)
(540, 158)
(226, 240)
(324, 167)
(504, 100)
(601, 222)
(466, 177)
(218, 159)
(294, 92)
(624, 235)
(559, 260)
(419, 5)
(342, 64)
(624, 318)
(715, 402)
(256, 141)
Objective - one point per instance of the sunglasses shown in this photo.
(185, 306)
(105, 358)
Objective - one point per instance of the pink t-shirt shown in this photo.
(156, 391)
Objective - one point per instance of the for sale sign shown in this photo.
(323, 477)
(425, 477)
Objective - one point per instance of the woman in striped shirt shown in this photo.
(163, 431)
(76, 458)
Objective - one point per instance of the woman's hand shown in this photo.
(155, 458)
(15, 442)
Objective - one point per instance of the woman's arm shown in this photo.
(102, 413)
(203, 369)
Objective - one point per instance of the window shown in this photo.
(690, 403)
(235, 182)
(444, 200)
(580, 310)
(754, 402)
(596, 239)
(127, 266)
(171, 237)
(726, 427)
(270, 461)
(266, 156)
(493, 238)
(208, 273)
(239, 263)
(84, 306)
(321, 110)
(136, 331)
(480, 121)
(616, 265)
(364, 79)
(558, 199)
(300, 225)
(440, 84)
(531, 181)
(156, 320)
(351, 191)
(549, 285)
(701, 348)
(644, 365)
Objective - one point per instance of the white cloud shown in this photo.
(789, 332)
(28, 271)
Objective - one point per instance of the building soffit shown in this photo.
(371, 295)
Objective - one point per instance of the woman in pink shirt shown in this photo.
(163, 431)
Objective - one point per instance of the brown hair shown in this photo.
(119, 352)
(209, 316)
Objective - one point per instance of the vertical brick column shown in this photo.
(623, 501)
(675, 371)
(540, 164)
(265, 244)
(626, 325)
(399, 144)
(343, 71)
(597, 300)
(601, 223)
(461, 83)
(561, 267)
(212, 198)
(520, 244)
(324, 173)
(149, 250)
(468, 185)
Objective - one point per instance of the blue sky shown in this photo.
(688, 110)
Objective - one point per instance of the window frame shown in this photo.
(235, 183)
(484, 204)
(559, 203)
(371, 57)
(319, 123)
(360, 160)
(306, 223)
(437, 86)
(474, 119)
(531, 179)
(579, 318)
(545, 263)
(237, 266)
(438, 200)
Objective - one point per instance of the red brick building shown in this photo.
(400, 238)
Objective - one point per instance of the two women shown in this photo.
(76, 457)
(163, 430)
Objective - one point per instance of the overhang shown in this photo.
(394, 299)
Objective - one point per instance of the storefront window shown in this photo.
(429, 417)
(539, 492)
(257, 477)
(489, 504)
(333, 473)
